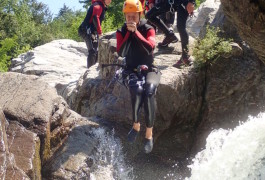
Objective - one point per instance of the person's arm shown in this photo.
(151, 4)
(97, 10)
(122, 42)
(147, 43)
(189, 6)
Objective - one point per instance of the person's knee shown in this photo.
(150, 90)
(137, 90)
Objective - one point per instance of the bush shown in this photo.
(9, 48)
(210, 48)
(198, 2)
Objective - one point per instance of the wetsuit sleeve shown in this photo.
(121, 41)
(148, 43)
(97, 10)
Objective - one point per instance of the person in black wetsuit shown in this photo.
(184, 8)
(90, 28)
(136, 42)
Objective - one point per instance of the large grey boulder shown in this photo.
(203, 16)
(59, 63)
(36, 105)
(40, 125)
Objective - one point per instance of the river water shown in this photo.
(235, 154)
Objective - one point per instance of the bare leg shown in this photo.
(149, 133)
(136, 126)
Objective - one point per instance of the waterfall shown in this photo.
(237, 154)
(108, 158)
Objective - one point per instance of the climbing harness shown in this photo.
(133, 77)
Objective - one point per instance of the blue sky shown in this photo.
(56, 5)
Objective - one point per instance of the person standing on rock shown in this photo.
(136, 42)
(184, 8)
(90, 29)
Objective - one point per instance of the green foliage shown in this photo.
(64, 11)
(26, 24)
(114, 17)
(198, 2)
(210, 48)
(66, 25)
(9, 48)
(85, 3)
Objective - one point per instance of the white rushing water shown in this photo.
(108, 158)
(237, 154)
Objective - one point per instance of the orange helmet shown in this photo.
(132, 6)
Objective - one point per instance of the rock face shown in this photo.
(25, 146)
(249, 18)
(72, 160)
(203, 15)
(39, 123)
(9, 168)
(33, 104)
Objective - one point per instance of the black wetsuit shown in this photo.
(138, 50)
(182, 15)
(90, 27)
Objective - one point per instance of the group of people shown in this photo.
(136, 42)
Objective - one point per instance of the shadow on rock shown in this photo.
(88, 152)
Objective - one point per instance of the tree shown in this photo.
(85, 2)
(64, 11)
(40, 12)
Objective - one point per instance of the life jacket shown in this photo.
(136, 55)
(86, 23)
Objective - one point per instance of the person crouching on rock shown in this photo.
(90, 29)
(136, 42)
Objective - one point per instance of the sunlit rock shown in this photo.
(59, 63)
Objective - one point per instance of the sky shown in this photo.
(56, 5)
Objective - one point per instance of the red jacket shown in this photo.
(137, 46)
(97, 11)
